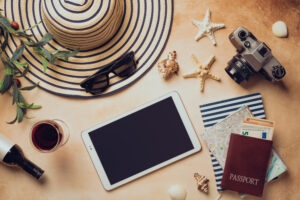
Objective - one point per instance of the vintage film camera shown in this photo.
(253, 56)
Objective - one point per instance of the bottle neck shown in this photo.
(31, 168)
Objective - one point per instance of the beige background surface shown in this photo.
(69, 171)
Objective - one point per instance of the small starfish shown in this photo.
(203, 71)
(207, 28)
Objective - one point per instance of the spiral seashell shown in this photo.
(168, 66)
(202, 182)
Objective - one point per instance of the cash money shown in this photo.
(258, 128)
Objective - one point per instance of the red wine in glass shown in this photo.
(48, 135)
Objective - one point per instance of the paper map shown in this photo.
(217, 137)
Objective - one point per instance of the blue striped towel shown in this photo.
(216, 111)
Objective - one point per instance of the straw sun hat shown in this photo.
(103, 30)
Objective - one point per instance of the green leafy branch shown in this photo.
(11, 80)
(46, 55)
(12, 65)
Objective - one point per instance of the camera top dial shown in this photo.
(278, 72)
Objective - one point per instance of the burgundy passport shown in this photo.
(246, 164)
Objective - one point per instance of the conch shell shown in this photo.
(168, 66)
(202, 183)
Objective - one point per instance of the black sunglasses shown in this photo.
(123, 67)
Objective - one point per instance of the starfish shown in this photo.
(207, 28)
(203, 71)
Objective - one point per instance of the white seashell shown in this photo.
(279, 29)
(177, 192)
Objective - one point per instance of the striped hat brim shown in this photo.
(145, 29)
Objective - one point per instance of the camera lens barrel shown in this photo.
(238, 69)
(242, 35)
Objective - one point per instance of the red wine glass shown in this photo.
(49, 135)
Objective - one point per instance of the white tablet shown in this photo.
(141, 141)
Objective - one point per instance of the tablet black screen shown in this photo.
(141, 140)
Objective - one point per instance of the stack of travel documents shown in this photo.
(248, 156)
(239, 115)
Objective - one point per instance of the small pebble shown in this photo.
(177, 192)
(279, 29)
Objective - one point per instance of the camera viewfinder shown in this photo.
(263, 51)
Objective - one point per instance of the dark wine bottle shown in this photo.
(11, 154)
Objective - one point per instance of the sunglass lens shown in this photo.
(97, 84)
(125, 70)
(126, 66)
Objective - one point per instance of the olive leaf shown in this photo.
(45, 64)
(35, 106)
(29, 87)
(47, 55)
(1, 84)
(29, 106)
(20, 114)
(20, 64)
(38, 50)
(13, 121)
(7, 83)
(15, 93)
(45, 39)
(6, 62)
(5, 42)
(8, 71)
(18, 53)
(19, 100)
(66, 53)
(4, 21)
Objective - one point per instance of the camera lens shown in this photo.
(238, 69)
(243, 35)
